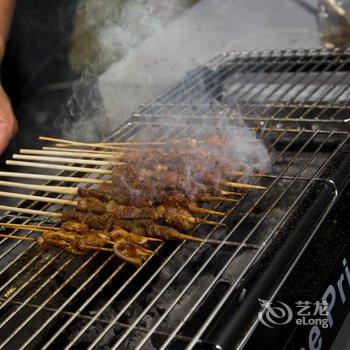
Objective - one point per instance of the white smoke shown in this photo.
(106, 32)
(105, 98)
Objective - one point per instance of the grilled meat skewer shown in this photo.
(137, 231)
(172, 216)
(140, 231)
(95, 205)
(83, 229)
(200, 160)
(122, 247)
(129, 252)
(150, 196)
(152, 229)
(141, 197)
(176, 217)
(190, 179)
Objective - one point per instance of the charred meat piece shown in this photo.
(120, 232)
(93, 239)
(139, 197)
(161, 177)
(129, 252)
(91, 204)
(59, 239)
(75, 226)
(51, 238)
(94, 221)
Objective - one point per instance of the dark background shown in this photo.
(35, 71)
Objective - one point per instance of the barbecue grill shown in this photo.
(197, 294)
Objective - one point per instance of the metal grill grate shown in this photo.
(295, 101)
(293, 88)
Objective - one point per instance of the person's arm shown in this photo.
(8, 123)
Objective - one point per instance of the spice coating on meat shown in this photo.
(129, 247)
(176, 217)
(150, 197)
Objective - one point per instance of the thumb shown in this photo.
(6, 132)
(8, 123)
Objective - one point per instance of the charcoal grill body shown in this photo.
(194, 295)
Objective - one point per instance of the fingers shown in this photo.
(7, 128)
(8, 122)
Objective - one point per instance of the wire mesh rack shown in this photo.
(295, 101)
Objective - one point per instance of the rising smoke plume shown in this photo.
(106, 35)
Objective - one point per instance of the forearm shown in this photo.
(6, 12)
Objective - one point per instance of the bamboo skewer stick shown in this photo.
(74, 191)
(98, 181)
(125, 148)
(69, 153)
(43, 229)
(53, 177)
(104, 171)
(243, 185)
(118, 145)
(17, 237)
(28, 227)
(89, 247)
(220, 199)
(204, 221)
(208, 211)
(90, 162)
(78, 150)
(229, 193)
(96, 170)
(38, 198)
(47, 228)
(58, 167)
(114, 148)
(67, 143)
(59, 215)
(108, 163)
(184, 237)
(67, 160)
(102, 249)
(30, 211)
(123, 143)
(45, 188)
(103, 155)
(110, 155)
(242, 174)
(71, 191)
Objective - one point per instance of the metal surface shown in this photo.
(295, 102)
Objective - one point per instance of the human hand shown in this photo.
(8, 122)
